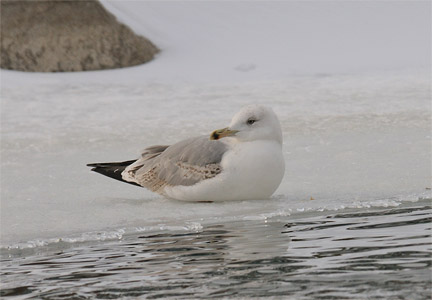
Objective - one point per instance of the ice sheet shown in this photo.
(356, 123)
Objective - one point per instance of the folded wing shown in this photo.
(185, 163)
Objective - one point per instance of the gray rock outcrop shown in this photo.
(62, 36)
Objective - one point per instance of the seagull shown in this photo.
(243, 161)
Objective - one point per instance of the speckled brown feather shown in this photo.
(185, 163)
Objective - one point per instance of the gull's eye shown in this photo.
(250, 121)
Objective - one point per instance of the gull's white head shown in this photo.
(251, 123)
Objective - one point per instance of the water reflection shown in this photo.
(379, 254)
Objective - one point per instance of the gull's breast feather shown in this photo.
(250, 170)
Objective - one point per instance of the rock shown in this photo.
(63, 36)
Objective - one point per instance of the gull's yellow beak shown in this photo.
(220, 133)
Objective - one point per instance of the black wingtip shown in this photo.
(112, 170)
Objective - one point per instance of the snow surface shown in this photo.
(350, 82)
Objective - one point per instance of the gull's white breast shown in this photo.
(250, 170)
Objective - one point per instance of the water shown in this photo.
(371, 253)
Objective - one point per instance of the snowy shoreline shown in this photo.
(355, 113)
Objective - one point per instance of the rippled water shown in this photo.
(361, 254)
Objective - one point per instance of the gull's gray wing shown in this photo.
(184, 163)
